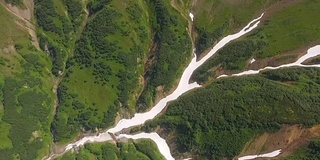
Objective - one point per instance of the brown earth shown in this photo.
(278, 60)
(24, 16)
(288, 139)
(284, 58)
(55, 87)
(23, 13)
(312, 61)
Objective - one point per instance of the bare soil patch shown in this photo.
(288, 139)
(23, 13)
(24, 16)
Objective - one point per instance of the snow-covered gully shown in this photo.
(183, 87)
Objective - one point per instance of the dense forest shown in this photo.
(71, 67)
(206, 121)
(171, 53)
(142, 149)
(56, 30)
(109, 57)
(233, 56)
(103, 72)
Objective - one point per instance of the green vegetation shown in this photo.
(312, 151)
(149, 148)
(288, 29)
(131, 150)
(103, 74)
(217, 18)
(74, 9)
(18, 3)
(57, 30)
(313, 60)
(171, 53)
(108, 61)
(26, 109)
(217, 121)
(113, 56)
(280, 32)
(183, 6)
(8, 35)
(26, 97)
(233, 56)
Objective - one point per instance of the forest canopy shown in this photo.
(217, 121)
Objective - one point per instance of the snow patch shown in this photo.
(266, 155)
(191, 16)
(252, 60)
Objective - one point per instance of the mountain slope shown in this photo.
(286, 32)
(102, 74)
(73, 68)
(26, 94)
(215, 122)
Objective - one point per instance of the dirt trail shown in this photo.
(24, 18)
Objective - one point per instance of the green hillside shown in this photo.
(141, 149)
(105, 67)
(215, 19)
(293, 27)
(102, 58)
(112, 58)
(215, 122)
(72, 68)
(171, 51)
(26, 83)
